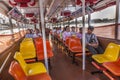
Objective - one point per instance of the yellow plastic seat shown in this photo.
(27, 39)
(27, 48)
(31, 68)
(111, 54)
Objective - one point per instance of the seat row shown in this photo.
(109, 61)
(72, 46)
(33, 49)
(21, 70)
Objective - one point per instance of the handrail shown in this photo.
(108, 38)
(106, 25)
(1, 68)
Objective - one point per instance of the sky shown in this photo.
(106, 13)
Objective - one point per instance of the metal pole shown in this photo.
(117, 18)
(89, 19)
(19, 28)
(76, 24)
(43, 33)
(68, 22)
(11, 29)
(83, 36)
(76, 20)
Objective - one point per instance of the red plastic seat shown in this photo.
(40, 49)
(113, 67)
(75, 45)
(67, 41)
(16, 71)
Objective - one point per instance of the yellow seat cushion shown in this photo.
(32, 68)
(36, 68)
(111, 54)
(100, 58)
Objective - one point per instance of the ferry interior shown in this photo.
(48, 39)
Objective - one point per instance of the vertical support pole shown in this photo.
(68, 22)
(60, 22)
(63, 23)
(11, 29)
(43, 33)
(35, 26)
(117, 18)
(83, 37)
(76, 23)
(19, 28)
(89, 19)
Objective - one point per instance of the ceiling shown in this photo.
(53, 8)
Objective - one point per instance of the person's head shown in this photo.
(60, 28)
(90, 29)
(37, 31)
(67, 28)
(29, 31)
(73, 28)
(80, 30)
(64, 29)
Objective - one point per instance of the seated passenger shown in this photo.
(66, 33)
(29, 34)
(37, 33)
(54, 30)
(92, 43)
(73, 33)
(59, 31)
(79, 34)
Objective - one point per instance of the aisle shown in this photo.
(63, 69)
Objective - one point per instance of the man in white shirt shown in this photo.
(92, 43)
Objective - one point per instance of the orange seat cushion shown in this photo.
(113, 67)
(40, 49)
(43, 76)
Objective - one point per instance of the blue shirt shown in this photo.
(29, 36)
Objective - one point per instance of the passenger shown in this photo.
(73, 33)
(54, 30)
(37, 33)
(29, 34)
(79, 34)
(92, 43)
(66, 33)
(59, 30)
(61, 35)
(32, 31)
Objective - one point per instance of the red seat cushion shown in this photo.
(40, 49)
(113, 67)
(43, 76)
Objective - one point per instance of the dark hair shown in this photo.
(80, 28)
(72, 27)
(91, 28)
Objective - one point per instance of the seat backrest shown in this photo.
(26, 39)
(75, 43)
(48, 45)
(21, 61)
(16, 71)
(39, 46)
(119, 51)
(27, 48)
(67, 41)
(112, 51)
